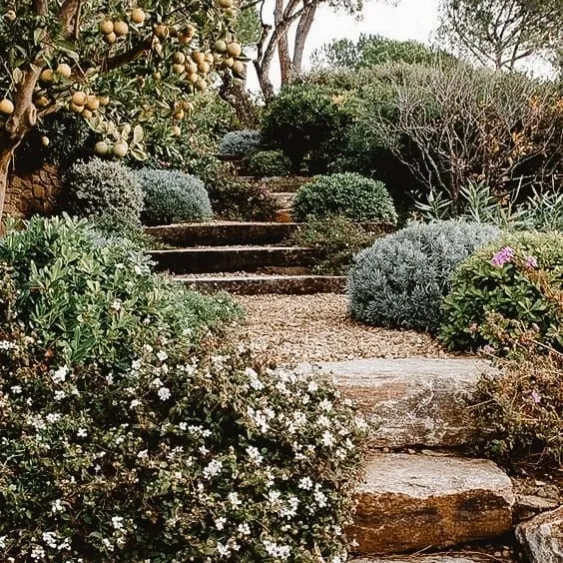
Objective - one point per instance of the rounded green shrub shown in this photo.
(239, 144)
(172, 196)
(349, 195)
(268, 164)
(400, 281)
(510, 287)
(103, 189)
(122, 442)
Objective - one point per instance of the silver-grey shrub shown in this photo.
(401, 280)
(172, 196)
(240, 143)
(100, 189)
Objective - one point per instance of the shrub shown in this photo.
(514, 284)
(401, 280)
(119, 444)
(268, 164)
(305, 121)
(237, 200)
(239, 143)
(86, 296)
(349, 194)
(337, 240)
(521, 409)
(173, 197)
(103, 189)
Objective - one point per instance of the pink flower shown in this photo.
(488, 349)
(531, 262)
(502, 257)
(535, 396)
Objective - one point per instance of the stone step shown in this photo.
(407, 503)
(284, 200)
(279, 183)
(230, 258)
(244, 284)
(542, 537)
(411, 401)
(222, 233)
(435, 558)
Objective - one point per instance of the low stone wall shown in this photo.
(37, 192)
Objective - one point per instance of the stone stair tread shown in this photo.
(411, 401)
(245, 283)
(229, 248)
(434, 558)
(411, 502)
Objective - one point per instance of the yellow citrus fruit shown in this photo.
(42, 101)
(104, 100)
(120, 149)
(138, 16)
(226, 3)
(6, 107)
(179, 58)
(79, 98)
(198, 57)
(45, 141)
(193, 77)
(64, 70)
(178, 69)
(229, 62)
(220, 46)
(176, 131)
(101, 148)
(92, 103)
(75, 108)
(161, 31)
(120, 28)
(47, 76)
(234, 49)
(106, 27)
(110, 38)
(239, 68)
(201, 84)
(203, 67)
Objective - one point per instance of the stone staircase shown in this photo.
(243, 258)
(420, 494)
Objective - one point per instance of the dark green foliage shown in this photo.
(348, 194)
(237, 200)
(305, 121)
(239, 144)
(173, 197)
(337, 240)
(266, 164)
(401, 280)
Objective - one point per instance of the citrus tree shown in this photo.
(124, 67)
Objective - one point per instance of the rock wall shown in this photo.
(37, 192)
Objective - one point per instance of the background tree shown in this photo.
(275, 38)
(122, 68)
(370, 50)
(501, 33)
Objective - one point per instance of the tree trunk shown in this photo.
(234, 92)
(302, 33)
(5, 161)
(263, 73)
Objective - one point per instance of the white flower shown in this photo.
(244, 529)
(2, 538)
(116, 305)
(37, 552)
(50, 539)
(57, 506)
(312, 387)
(59, 395)
(6, 345)
(143, 454)
(234, 500)
(325, 405)
(223, 550)
(255, 383)
(138, 270)
(82, 433)
(323, 421)
(16, 389)
(273, 496)
(135, 403)
(60, 374)
(136, 365)
(220, 523)
(147, 348)
(117, 522)
(320, 498)
(53, 417)
(164, 393)
(156, 382)
(306, 484)
(273, 549)
(107, 544)
(213, 468)
(360, 423)
(254, 454)
(109, 379)
(183, 426)
(162, 356)
(327, 439)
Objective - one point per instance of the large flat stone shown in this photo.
(542, 537)
(412, 401)
(412, 502)
(437, 558)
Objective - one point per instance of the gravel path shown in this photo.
(294, 329)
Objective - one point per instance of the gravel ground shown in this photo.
(294, 329)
